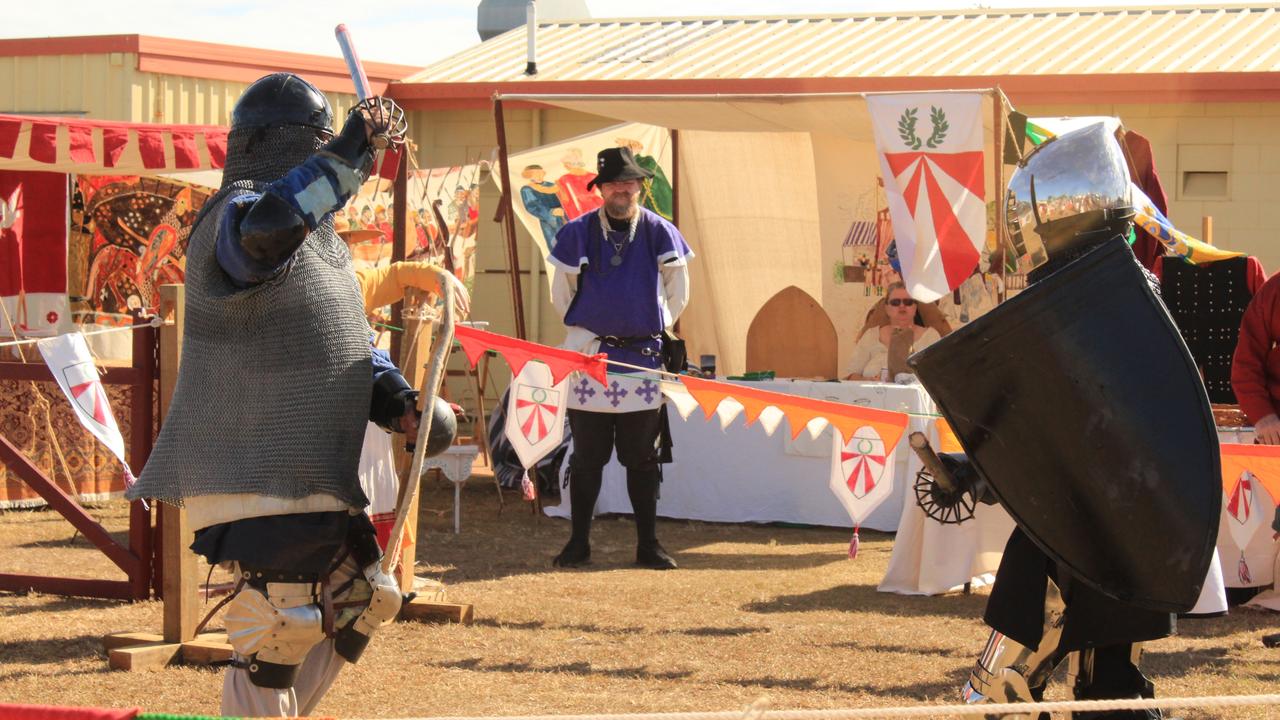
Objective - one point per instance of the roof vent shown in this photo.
(494, 17)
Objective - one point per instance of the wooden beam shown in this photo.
(67, 507)
(144, 657)
(71, 587)
(112, 375)
(206, 650)
(129, 639)
(427, 611)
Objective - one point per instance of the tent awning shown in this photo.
(95, 147)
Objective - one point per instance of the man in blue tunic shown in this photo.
(621, 278)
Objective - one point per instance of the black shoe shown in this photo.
(654, 558)
(574, 554)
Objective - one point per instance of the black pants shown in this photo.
(595, 436)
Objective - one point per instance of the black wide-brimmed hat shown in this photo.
(616, 164)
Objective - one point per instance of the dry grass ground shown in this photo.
(754, 611)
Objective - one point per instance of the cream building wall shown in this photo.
(108, 86)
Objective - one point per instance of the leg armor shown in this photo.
(384, 604)
(1108, 673)
(274, 624)
(1009, 672)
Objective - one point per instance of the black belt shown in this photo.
(626, 342)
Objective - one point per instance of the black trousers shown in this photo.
(595, 436)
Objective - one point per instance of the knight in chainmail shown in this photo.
(262, 442)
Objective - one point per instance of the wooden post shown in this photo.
(180, 578)
(1206, 229)
(513, 253)
(142, 418)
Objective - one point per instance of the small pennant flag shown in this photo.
(535, 413)
(73, 367)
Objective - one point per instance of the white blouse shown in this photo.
(870, 356)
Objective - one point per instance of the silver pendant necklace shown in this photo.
(618, 247)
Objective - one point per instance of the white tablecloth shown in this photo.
(742, 475)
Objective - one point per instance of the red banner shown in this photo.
(33, 250)
(518, 352)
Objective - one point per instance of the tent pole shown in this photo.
(997, 157)
(399, 233)
(513, 253)
(675, 178)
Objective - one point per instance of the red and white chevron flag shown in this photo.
(932, 161)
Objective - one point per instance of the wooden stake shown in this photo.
(178, 564)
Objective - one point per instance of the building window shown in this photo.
(1204, 185)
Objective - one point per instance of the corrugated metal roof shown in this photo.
(985, 43)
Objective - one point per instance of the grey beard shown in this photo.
(626, 215)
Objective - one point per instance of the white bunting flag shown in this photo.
(73, 367)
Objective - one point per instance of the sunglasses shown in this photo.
(901, 301)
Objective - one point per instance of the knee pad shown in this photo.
(385, 601)
(275, 630)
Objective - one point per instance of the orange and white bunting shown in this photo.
(799, 412)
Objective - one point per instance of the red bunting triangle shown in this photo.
(184, 149)
(518, 352)
(82, 144)
(44, 142)
(151, 147)
(9, 130)
(114, 140)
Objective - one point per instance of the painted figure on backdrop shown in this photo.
(611, 261)
(140, 233)
(261, 444)
(656, 194)
(541, 201)
(574, 186)
(367, 221)
(380, 221)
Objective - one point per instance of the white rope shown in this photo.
(759, 711)
(155, 322)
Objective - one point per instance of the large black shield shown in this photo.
(1079, 403)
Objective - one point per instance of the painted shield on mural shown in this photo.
(1079, 403)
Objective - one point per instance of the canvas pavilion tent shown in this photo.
(769, 186)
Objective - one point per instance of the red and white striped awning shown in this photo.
(95, 147)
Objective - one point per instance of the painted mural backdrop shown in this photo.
(368, 222)
(551, 181)
(128, 237)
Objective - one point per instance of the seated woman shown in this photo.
(871, 354)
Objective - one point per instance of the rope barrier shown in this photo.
(155, 322)
(759, 710)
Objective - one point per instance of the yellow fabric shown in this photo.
(386, 284)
